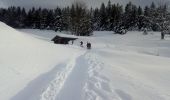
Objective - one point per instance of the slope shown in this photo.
(24, 58)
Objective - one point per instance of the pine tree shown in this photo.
(146, 20)
(103, 17)
(50, 20)
(96, 19)
(130, 16)
(22, 18)
(108, 15)
(43, 19)
(66, 18)
(2, 14)
(140, 11)
(11, 16)
(58, 20)
(146, 11)
(30, 20)
(80, 20)
(162, 17)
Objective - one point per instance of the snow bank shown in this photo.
(23, 58)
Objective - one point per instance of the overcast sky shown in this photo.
(54, 3)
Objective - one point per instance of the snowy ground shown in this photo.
(118, 67)
(25, 59)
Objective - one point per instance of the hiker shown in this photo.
(81, 43)
(88, 45)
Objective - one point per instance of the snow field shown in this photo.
(135, 76)
(118, 67)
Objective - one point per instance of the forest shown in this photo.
(81, 21)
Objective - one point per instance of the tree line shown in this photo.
(79, 20)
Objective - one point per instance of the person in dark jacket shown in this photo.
(81, 43)
(88, 45)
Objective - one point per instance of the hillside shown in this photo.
(23, 58)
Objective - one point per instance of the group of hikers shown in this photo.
(88, 45)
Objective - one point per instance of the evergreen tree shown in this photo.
(66, 18)
(146, 19)
(11, 16)
(29, 22)
(22, 18)
(108, 16)
(140, 11)
(50, 20)
(103, 17)
(162, 18)
(2, 14)
(96, 19)
(80, 21)
(58, 20)
(43, 19)
(146, 11)
(130, 15)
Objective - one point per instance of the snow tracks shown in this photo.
(96, 87)
(57, 83)
(80, 80)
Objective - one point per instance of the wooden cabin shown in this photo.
(62, 40)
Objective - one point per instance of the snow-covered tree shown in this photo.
(80, 20)
(43, 19)
(58, 21)
(96, 19)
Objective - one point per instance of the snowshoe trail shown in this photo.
(97, 87)
(80, 80)
(55, 85)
